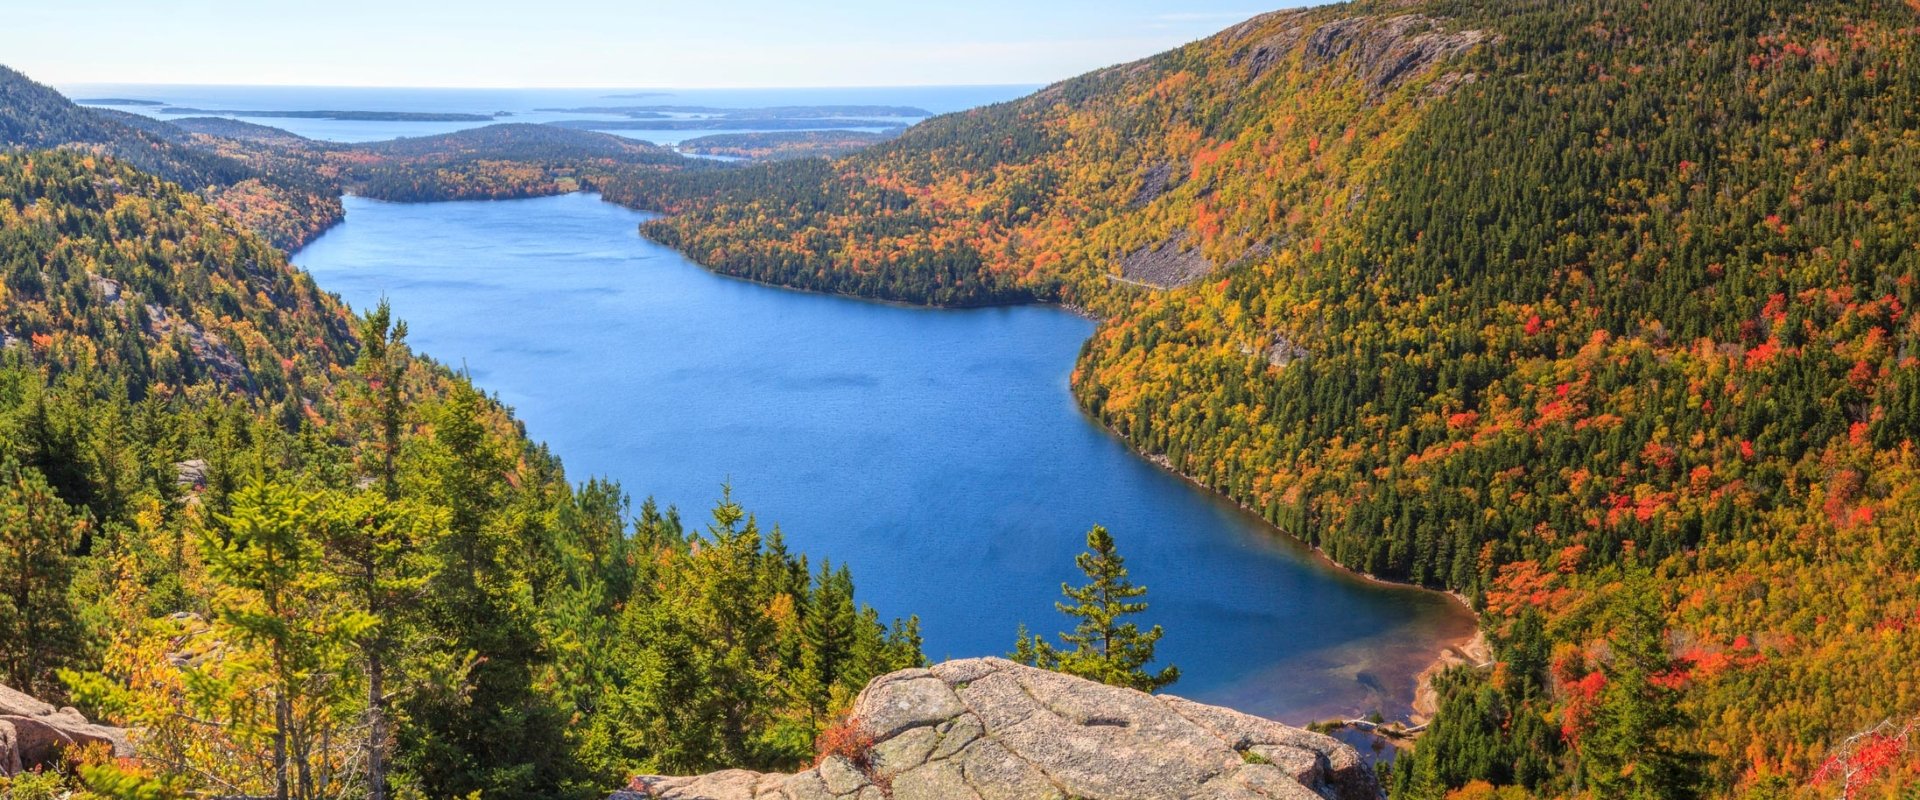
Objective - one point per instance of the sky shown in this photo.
(596, 43)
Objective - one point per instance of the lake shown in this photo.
(937, 452)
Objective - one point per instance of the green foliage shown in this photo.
(1615, 281)
(277, 602)
(739, 657)
(39, 626)
(382, 365)
(500, 732)
(325, 558)
(1483, 732)
(1633, 750)
(112, 782)
(1603, 281)
(379, 552)
(33, 785)
(1101, 647)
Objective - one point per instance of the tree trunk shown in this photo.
(303, 762)
(282, 718)
(376, 727)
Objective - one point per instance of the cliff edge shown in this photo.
(990, 729)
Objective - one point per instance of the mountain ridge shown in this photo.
(288, 187)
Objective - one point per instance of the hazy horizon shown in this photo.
(64, 86)
(594, 44)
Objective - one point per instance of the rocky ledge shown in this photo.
(990, 729)
(35, 735)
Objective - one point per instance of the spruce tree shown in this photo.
(382, 365)
(1101, 646)
(500, 732)
(275, 600)
(827, 634)
(39, 631)
(379, 552)
(1632, 751)
(380, 549)
(1031, 649)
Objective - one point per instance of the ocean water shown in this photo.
(936, 452)
(521, 103)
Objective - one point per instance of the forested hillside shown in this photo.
(287, 188)
(497, 161)
(297, 558)
(288, 206)
(1596, 312)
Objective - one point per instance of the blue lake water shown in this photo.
(523, 104)
(937, 452)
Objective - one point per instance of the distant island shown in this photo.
(614, 110)
(774, 112)
(725, 124)
(342, 116)
(238, 130)
(781, 145)
(116, 101)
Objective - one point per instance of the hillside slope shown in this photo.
(287, 206)
(287, 188)
(1207, 156)
(211, 309)
(207, 464)
(1595, 311)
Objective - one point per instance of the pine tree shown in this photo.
(382, 364)
(276, 600)
(1101, 647)
(500, 732)
(1632, 752)
(380, 553)
(38, 533)
(381, 550)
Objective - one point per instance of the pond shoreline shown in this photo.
(1449, 654)
(1472, 648)
(1355, 647)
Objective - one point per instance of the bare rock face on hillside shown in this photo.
(1390, 51)
(990, 729)
(1385, 52)
(1172, 263)
(35, 735)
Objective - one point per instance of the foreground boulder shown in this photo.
(990, 729)
(35, 735)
